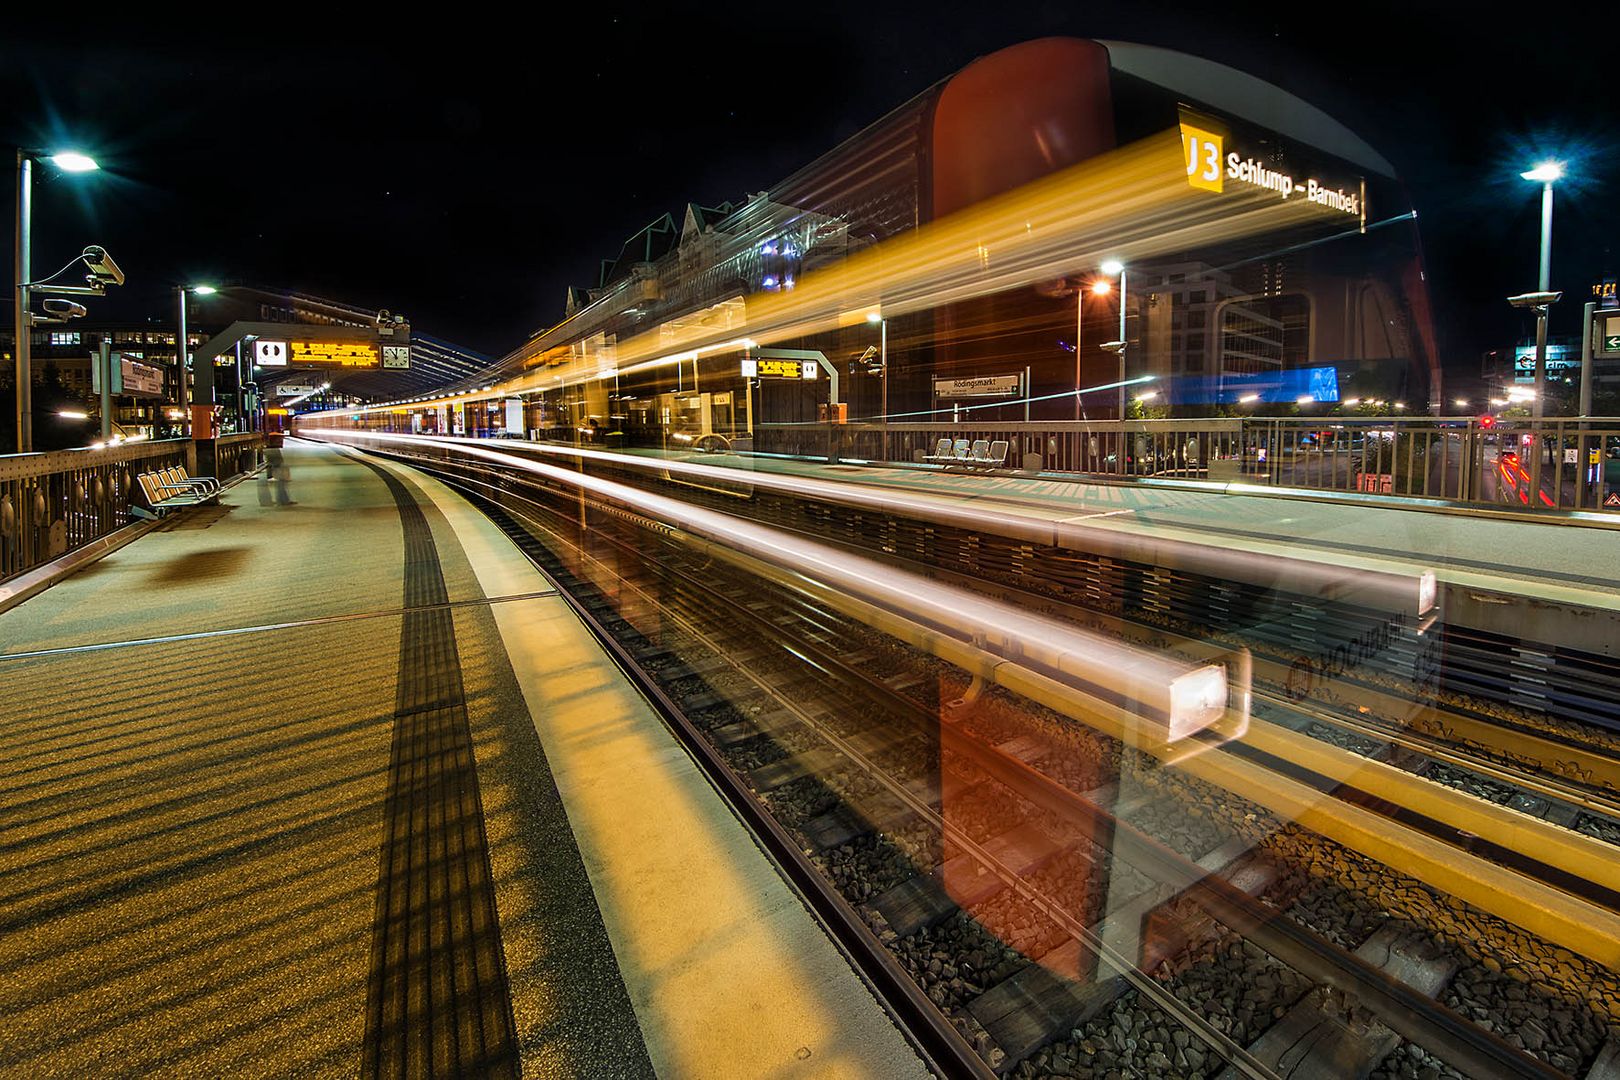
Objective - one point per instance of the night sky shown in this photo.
(464, 174)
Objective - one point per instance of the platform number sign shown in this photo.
(1202, 150)
(397, 357)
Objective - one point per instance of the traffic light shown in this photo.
(1487, 421)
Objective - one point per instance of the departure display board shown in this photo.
(346, 354)
(778, 368)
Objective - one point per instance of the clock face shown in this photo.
(396, 356)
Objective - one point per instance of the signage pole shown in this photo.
(1122, 347)
(106, 362)
(180, 356)
(1587, 315)
(24, 343)
(1079, 332)
(1583, 468)
(883, 364)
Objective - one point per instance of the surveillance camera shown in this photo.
(1534, 299)
(64, 309)
(103, 271)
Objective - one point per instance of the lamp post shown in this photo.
(182, 347)
(22, 350)
(883, 360)
(1546, 174)
(1111, 267)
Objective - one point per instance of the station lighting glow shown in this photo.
(1351, 402)
(1248, 399)
(1112, 267)
(1400, 404)
(1039, 232)
(1546, 173)
(873, 317)
(71, 161)
(1149, 396)
(1461, 403)
(1308, 399)
(73, 414)
(1101, 287)
(204, 290)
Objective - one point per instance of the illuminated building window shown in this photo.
(64, 337)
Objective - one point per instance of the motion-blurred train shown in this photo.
(665, 349)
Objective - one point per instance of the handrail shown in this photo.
(52, 503)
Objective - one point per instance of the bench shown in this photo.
(981, 454)
(171, 489)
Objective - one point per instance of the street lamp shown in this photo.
(22, 351)
(182, 350)
(1546, 174)
(883, 358)
(1111, 268)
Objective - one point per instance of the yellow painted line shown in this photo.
(1584, 856)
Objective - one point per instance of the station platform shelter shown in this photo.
(341, 785)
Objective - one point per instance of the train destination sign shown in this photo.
(348, 354)
(1210, 165)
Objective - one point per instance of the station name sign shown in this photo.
(981, 386)
(1210, 166)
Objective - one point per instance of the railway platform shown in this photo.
(344, 785)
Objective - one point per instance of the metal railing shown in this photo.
(55, 502)
(1558, 464)
(237, 454)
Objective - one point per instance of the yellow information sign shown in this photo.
(349, 354)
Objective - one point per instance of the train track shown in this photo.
(1552, 774)
(1204, 887)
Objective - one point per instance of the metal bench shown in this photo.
(947, 453)
(163, 496)
(176, 476)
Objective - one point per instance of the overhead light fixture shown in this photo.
(71, 161)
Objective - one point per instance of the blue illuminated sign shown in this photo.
(1285, 386)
